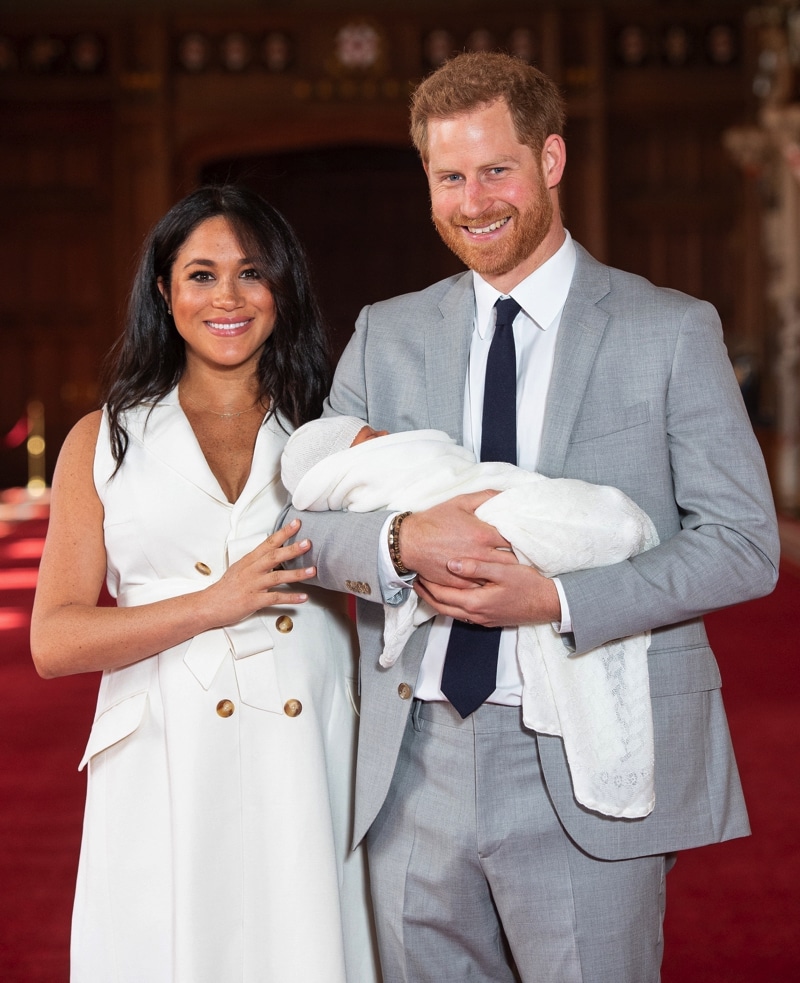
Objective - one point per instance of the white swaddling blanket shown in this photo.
(597, 702)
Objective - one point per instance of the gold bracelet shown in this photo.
(394, 544)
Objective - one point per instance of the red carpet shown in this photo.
(732, 910)
(42, 734)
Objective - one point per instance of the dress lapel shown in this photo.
(265, 470)
(168, 436)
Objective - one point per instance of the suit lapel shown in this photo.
(583, 323)
(446, 357)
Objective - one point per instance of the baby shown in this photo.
(598, 702)
(341, 463)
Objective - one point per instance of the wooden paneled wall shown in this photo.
(108, 116)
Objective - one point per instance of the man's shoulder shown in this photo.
(622, 287)
(427, 298)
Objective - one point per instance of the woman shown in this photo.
(215, 843)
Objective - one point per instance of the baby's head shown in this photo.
(316, 440)
(367, 433)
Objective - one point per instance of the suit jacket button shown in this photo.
(203, 568)
(225, 708)
(358, 586)
(404, 691)
(292, 708)
(284, 623)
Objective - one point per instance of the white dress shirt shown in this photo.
(541, 296)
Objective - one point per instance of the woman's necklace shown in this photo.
(223, 416)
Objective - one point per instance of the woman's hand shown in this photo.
(253, 582)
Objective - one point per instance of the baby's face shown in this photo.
(367, 433)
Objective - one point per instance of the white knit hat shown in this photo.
(314, 441)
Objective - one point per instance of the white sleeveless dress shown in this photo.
(216, 837)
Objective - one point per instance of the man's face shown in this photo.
(491, 197)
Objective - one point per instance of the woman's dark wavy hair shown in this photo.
(147, 362)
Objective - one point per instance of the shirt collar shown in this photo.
(541, 295)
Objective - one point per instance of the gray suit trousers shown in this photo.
(475, 880)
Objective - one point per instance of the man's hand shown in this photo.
(430, 538)
(494, 594)
(467, 570)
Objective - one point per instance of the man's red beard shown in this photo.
(500, 256)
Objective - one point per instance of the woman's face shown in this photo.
(222, 308)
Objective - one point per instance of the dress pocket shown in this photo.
(120, 704)
(114, 724)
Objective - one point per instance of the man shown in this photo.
(484, 866)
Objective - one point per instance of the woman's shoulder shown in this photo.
(83, 436)
(75, 464)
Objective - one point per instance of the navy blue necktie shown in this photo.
(470, 664)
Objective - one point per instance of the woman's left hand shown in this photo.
(251, 583)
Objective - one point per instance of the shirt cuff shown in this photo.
(394, 588)
(564, 627)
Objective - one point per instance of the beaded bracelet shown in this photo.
(394, 543)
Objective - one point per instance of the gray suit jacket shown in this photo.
(642, 397)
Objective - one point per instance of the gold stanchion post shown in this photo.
(36, 448)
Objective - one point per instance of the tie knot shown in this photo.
(507, 310)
